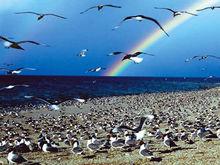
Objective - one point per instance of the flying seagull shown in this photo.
(13, 86)
(100, 7)
(82, 53)
(15, 71)
(201, 58)
(175, 12)
(41, 15)
(141, 18)
(134, 57)
(16, 45)
(124, 127)
(96, 69)
(51, 106)
(115, 53)
(210, 7)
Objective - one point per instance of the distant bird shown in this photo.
(15, 71)
(175, 12)
(16, 45)
(96, 69)
(82, 53)
(115, 53)
(41, 15)
(100, 7)
(13, 157)
(141, 18)
(202, 58)
(134, 57)
(210, 7)
(13, 86)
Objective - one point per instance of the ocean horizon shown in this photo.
(60, 88)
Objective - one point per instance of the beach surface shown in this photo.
(177, 112)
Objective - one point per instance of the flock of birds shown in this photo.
(9, 43)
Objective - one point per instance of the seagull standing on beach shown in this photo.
(16, 45)
(168, 141)
(134, 57)
(13, 157)
(16, 71)
(13, 86)
(100, 7)
(41, 15)
(141, 18)
(175, 12)
(144, 150)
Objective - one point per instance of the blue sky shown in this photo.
(92, 30)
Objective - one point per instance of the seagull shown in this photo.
(47, 147)
(201, 57)
(100, 7)
(115, 53)
(175, 12)
(16, 45)
(96, 69)
(54, 106)
(76, 149)
(40, 15)
(92, 146)
(82, 53)
(141, 18)
(116, 142)
(168, 141)
(144, 150)
(13, 86)
(13, 157)
(136, 130)
(210, 7)
(15, 71)
(134, 57)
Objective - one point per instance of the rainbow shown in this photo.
(118, 67)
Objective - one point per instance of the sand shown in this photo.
(179, 107)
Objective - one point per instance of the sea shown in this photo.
(60, 88)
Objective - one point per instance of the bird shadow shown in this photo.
(175, 149)
(156, 159)
(89, 156)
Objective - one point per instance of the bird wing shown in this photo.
(29, 68)
(28, 12)
(195, 57)
(213, 56)
(18, 69)
(188, 13)
(93, 7)
(112, 6)
(164, 8)
(5, 39)
(43, 100)
(204, 9)
(155, 21)
(55, 15)
(5, 69)
(32, 42)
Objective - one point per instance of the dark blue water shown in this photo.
(62, 88)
